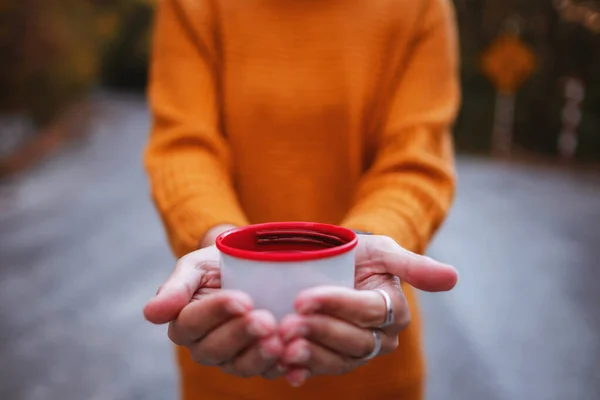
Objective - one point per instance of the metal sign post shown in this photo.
(508, 62)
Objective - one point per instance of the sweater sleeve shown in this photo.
(187, 157)
(409, 188)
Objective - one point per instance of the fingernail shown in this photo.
(299, 356)
(236, 307)
(281, 369)
(308, 307)
(162, 291)
(298, 331)
(256, 328)
(172, 288)
(265, 354)
(300, 378)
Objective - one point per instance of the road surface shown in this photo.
(81, 250)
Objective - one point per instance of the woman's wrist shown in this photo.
(361, 232)
(211, 236)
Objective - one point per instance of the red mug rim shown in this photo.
(225, 242)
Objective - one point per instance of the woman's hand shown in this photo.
(336, 329)
(219, 327)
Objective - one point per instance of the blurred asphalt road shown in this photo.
(81, 250)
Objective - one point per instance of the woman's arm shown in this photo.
(187, 157)
(409, 188)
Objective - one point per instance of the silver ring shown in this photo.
(376, 345)
(389, 309)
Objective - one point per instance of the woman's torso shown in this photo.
(304, 86)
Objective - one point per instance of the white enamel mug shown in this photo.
(274, 262)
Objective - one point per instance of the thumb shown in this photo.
(421, 272)
(174, 294)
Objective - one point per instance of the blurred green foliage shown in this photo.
(52, 55)
(54, 52)
(125, 56)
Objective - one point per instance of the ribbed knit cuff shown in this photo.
(402, 233)
(188, 223)
(408, 214)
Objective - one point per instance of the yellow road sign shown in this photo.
(508, 62)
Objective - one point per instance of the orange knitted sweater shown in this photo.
(334, 111)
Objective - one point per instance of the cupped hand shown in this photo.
(219, 327)
(333, 330)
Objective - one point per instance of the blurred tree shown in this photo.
(51, 53)
(126, 54)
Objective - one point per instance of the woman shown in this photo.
(334, 111)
